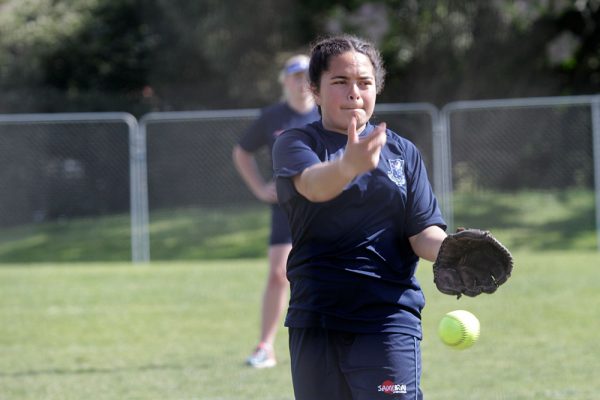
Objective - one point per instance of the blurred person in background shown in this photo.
(296, 109)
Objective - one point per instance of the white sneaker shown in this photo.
(262, 357)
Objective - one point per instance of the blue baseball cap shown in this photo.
(296, 64)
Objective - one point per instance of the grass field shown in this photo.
(182, 330)
(526, 220)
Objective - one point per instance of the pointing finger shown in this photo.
(352, 136)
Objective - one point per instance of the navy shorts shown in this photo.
(333, 365)
(280, 228)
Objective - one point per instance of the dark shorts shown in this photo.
(332, 365)
(280, 228)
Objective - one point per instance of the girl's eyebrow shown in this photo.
(363, 77)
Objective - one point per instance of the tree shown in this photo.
(138, 55)
(72, 55)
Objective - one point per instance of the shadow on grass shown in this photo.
(182, 234)
(216, 233)
(522, 221)
(85, 239)
(532, 220)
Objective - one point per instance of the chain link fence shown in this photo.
(191, 179)
(57, 170)
(189, 159)
(524, 168)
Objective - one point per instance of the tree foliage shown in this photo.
(141, 55)
(71, 55)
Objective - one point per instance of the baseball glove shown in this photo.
(471, 262)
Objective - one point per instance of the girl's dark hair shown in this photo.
(325, 49)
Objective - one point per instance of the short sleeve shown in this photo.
(254, 137)
(422, 206)
(293, 153)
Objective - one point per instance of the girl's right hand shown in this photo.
(362, 154)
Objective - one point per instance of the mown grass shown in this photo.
(535, 221)
(84, 239)
(216, 233)
(532, 220)
(181, 330)
(180, 234)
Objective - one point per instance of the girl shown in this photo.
(361, 212)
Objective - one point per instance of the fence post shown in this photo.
(443, 170)
(140, 241)
(595, 103)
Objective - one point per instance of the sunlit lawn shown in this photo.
(181, 330)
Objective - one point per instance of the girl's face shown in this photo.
(347, 89)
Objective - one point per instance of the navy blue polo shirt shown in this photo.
(351, 267)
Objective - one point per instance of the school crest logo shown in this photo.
(396, 172)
